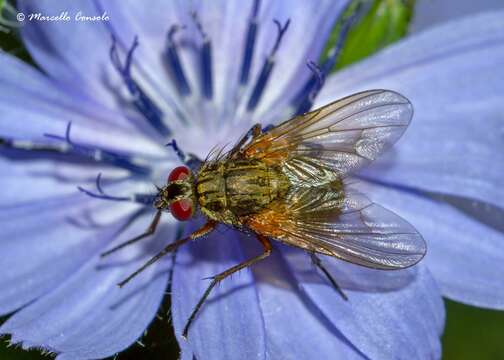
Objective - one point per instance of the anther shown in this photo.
(141, 101)
(173, 62)
(205, 60)
(248, 51)
(265, 73)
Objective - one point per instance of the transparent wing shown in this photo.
(337, 138)
(344, 224)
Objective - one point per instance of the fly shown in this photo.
(291, 184)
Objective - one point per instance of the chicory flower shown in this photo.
(196, 72)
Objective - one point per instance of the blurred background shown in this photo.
(470, 333)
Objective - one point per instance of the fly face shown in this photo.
(177, 195)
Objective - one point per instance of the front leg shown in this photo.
(204, 230)
(318, 263)
(150, 231)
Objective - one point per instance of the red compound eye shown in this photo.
(179, 173)
(181, 209)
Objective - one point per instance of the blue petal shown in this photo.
(72, 52)
(311, 23)
(32, 105)
(226, 25)
(451, 75)
(429, 13)
(294, 325)
(86, 62)
(230, 324)
(405, 322)
(465, 256)
(37, 253)
(150, 25)
(258, 314)
(86, 315)
(36, 212)
(18, 180)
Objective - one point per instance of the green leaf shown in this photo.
(385, 22)
(472, 333)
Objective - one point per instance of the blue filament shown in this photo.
(268, 65)
(173, 61)
(141, 101)
(249, 44)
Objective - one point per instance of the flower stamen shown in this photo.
(146, 199)
(92, 153)
(190, 160)
(265, 73)
(78, 151)
(305, 98)
(205, 60)
(251, 36)
(319, 80)
(141, 101)
(173, 62)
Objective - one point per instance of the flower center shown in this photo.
(152, 112)
(142, 102)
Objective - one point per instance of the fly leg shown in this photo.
(150, 230)
(318, 263)
(204, 230)
(219, 277)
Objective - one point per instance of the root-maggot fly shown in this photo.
(291, 184)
